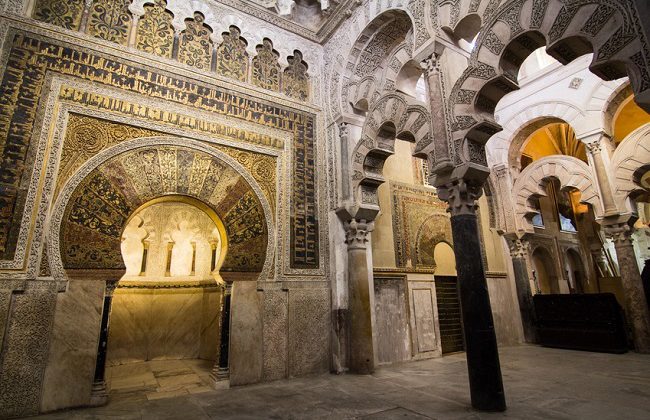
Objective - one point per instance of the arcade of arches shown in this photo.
(266, 190)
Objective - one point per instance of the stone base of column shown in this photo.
(221, 377)
(98, 394)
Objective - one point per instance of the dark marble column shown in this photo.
(362, 357)
(636, 305)
(486, 386)
(99, 394)
(221, 370)
(518, 253)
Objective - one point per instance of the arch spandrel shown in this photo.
(97, 201)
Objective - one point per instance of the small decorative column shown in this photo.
(485, 383)
(221, 370)
(83, 25)
(637, 307)
(99, 394)
(344, 135)
(518, 253)
(439, 119)
(176, 44)
(134, 29)
(362, 357)
(594, 146)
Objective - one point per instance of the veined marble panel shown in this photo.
(73, 350)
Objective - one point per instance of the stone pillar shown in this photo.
(221, 370)
(362, 357)
(99, 394)
(439, 119)
(595, 150)
(518, 253)
(486, 386)
(636, 306)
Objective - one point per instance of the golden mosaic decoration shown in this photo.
(266, 69)
(110, 20)
(64, 13)
(155, 33)
(195, 45)
(232, 58)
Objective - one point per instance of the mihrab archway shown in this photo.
(95, 204)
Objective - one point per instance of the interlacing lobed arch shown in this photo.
(512, 31)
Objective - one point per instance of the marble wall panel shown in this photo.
(175, 324)
(210, 324)
(129, 323)
(275, 334)
(148, 324)
(73, 349)
(424, 319)
(309, 326)
(245, 334)
(391, 315)
(507, 321)
(25, 352)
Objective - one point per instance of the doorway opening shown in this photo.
(165, 325)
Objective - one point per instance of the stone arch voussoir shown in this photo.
(569, 171)
(631, 156)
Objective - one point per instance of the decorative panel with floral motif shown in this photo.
(232, 58)
(295, 81)
(195, 45)
(64, 13)
(155, 33)
(110, 20)
(266, 69)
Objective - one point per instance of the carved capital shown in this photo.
(518, 248)
(461, 196)
(594, 147)
(344, 131)
(619, 233)
(431, 65)
(111, 285)
(356, 233)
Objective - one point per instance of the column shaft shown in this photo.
(636, 305)
(525, 298)
(602, 177)
(362, 358)
(486, 386)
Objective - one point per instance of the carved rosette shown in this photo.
(461, 196)
(356, 233)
